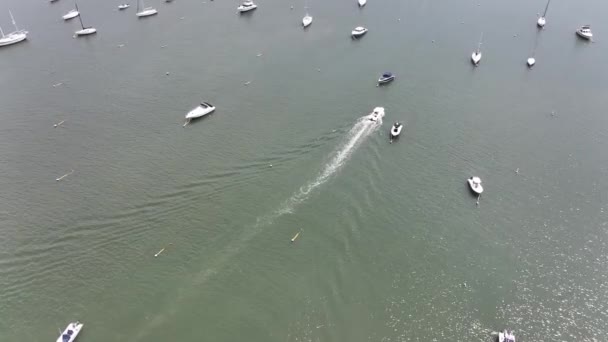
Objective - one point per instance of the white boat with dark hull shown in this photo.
(531, 61)
(247, 6)
(585, 32)
(377, 115)
(307, 20)
(201, 110)
(71, 332)
(85, 31)
(475, 185)
(396, 130)
(12, 37)
(506, 336)
(123, 6)
(71, 14)
(542, 20)
(359, 32)
(143, 11)
(362, 2)
(476, 56)
(386, 77)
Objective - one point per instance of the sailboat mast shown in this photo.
(79, 16)
(138, 6)
(2, 32)
(546, 8)
(480, 39)
(13, 20)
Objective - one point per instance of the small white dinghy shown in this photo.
(143, 11)
(376, 116)
(85, 31)
(123, 6)
(71, 14)
(475, 185)
(71, 332)
(585, 32)
(476, 56)
(247, 6)
(396, 130)
(307, 20)
(506, 336)
(362, 2)
(203, 109)
(531, 61)
(359, 32)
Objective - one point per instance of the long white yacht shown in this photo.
(71, 332)
(359, 31)
(475, 185)
(71, 14)
(376, 115)
(201, 110)
(585, 32)
(247, 6)
(13, 37)
(143, 11)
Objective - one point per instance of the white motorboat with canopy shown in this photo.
(247, 6)
(585, 32)
(359, 31)
(386, 77)
(475, 185)
(201, 110)
(377, 115)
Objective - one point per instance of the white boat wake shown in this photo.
(360, 131)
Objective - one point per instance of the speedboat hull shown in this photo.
(86, 31)
(71, 15)
(475, 185)
(202, 110)
(306, 21)
(147, 12)
(359, 32)
(476, 58)
(123, 7)
(13, 38)
(71, 332)
(245, 9)
(584, 35)
(376, 116)
(385, 80)
(541, 22)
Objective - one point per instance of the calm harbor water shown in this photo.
(392, 244)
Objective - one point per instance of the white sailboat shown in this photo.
(143, 11)
(85, 31)
(71, 14)
(13, 37)
(542, 20)
(476, 56)
(307, 20)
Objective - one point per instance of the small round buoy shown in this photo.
(270, 165)
(167, 73)
(291, 7)
(432, 41)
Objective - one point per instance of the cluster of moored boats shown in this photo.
(583, 32)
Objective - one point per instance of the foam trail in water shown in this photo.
(361, 130)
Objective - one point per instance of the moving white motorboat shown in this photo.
(71, 14)
(396, 130)
(376, 115)
(362, 2)
(13, 37)
(85, 31)
(506, 336)
(307, 20)
(542, 20)
(585, 32)
(476, 56)
(386, 77)
(123, 6)
(203, 109)
(247, 6)
(531, 61)
(475, 185)
(143, 11)
(71, 332)
(359, 31)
